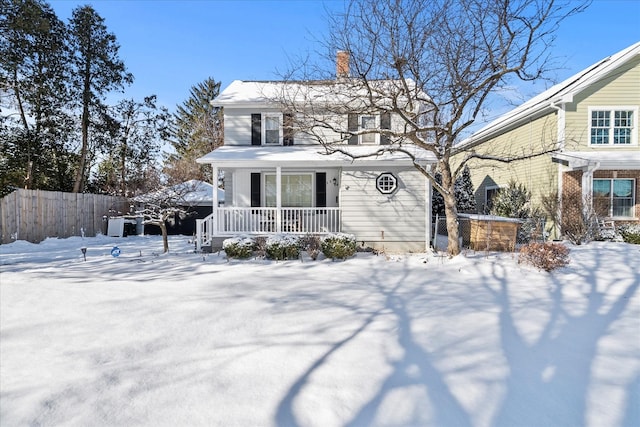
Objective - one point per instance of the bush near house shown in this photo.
(311, 243)
(630, 233)
(239, 247)
(282, 246)
(546, 256)
(339, 246)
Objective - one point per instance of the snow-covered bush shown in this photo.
(339, 246)
(311, 243)
(239, 247)
(546, 256)
(630, 233)
(282, 246)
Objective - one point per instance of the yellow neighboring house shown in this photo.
(590, 121)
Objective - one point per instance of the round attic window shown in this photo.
(386, 183)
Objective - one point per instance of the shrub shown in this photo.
(578, 219)
(282, 246)
(630, 233)
(312, 244)
(339, 246)
(514, 201)
(261, 246)
(239, 247)
(546, 256)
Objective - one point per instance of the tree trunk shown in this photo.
(165, 237)
(86, 99)
(450, 209)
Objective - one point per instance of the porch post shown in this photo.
(278, 199)
(214, 220)
(587, 185)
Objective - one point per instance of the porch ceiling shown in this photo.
(309, 156)
(602, 160)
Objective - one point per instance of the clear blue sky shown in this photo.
(169, 46)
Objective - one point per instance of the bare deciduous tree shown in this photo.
(432, 65)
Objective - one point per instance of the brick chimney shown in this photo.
(342, 64)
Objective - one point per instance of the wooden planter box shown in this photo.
(492, 233)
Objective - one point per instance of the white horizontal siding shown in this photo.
(375, 217)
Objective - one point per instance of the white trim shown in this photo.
(612, 109)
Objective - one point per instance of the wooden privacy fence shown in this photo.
(34, 215)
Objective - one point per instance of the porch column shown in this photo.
(278, 199)
(587, 184)
(214, 220)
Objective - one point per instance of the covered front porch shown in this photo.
(233, 221)
(380, 199)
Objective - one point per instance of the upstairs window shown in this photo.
(613, 126)
(271, 129)
(367, 122)
(362, 122)
(268, 129)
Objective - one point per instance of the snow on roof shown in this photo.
(192, 192)
(311, 156)
(563, 92)
(335, 92)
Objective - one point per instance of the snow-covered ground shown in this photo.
(185, 339)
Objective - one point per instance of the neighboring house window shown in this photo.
(296, 191)
(386, 183)
(489, 194)
(614, 197)
(613, 126)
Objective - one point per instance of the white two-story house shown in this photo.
(279, 178)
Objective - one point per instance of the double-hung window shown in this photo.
(614, 197)
(368, 122)
(613, 126)
(271, 129)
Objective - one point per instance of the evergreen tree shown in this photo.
(97, 70)
(36, 127)
(197, 129)
(465, 194)
(512, 201)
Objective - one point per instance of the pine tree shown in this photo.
(197, 129)
(33, 77)
(465, 194)
(97, 70)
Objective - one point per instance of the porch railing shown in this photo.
(234, 221)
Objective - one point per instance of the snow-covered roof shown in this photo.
(603, 159)
(560, 93)
(241, 94)
(192, 192)
(310, 156)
